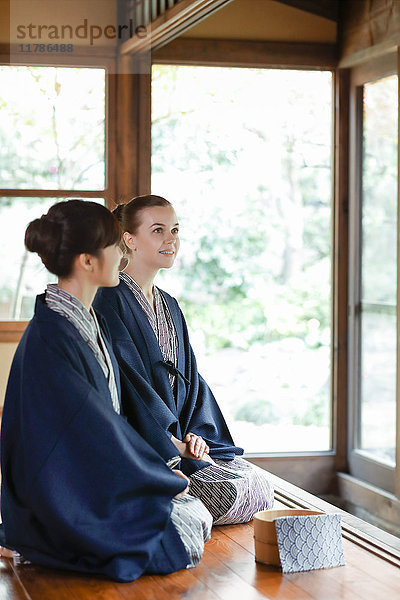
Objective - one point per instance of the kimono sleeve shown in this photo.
(81, 489)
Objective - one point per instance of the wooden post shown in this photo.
(133, 123)
(340, 267)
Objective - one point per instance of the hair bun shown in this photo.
(43, 236)
(70, 228)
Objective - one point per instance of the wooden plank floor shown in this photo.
(227, 571)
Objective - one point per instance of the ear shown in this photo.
(85, 262)
(129, 240)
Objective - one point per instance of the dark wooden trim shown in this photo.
(144, 134)
(364, 467)
(356, 136)
(126, 126)
(354, 263)
(171, 24)
(374, 69)
(11, 331)
(369, 537)
(360, 465)
(110, 192)
(314, 472)
(329, 9)
(380, 503)
(238, 53)
(133, 133)
(371, 53)
(14, 193)
(340, 256)
(6, 20)
(367, 29)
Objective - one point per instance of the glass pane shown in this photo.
(22, 274)
(56, 139)
(245, 157)
(379, 192)
(379, 270)
(378, 368)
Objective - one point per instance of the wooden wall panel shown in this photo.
(315, 472)
(368, 28)
(11, 331)
(268, 20)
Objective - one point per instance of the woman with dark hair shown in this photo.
(81, 490)
(151, 342)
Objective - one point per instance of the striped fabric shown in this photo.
(193, 523)
(160, 320)
(86, 323)
(233, 491)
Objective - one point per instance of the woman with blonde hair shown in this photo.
(151, 342)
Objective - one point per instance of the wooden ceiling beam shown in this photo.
(240, 53)
(329, 9)
(171, 24)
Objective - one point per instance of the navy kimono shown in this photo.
(156, 411)
(81, 490)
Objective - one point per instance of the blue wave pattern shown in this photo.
(307, 542)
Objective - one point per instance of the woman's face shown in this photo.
(156, 241)
(106, 273)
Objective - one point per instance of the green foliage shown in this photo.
(56, 140)
(237, 323)
(258, 269)
(314, 412)
(249, 172)
(302, 409)
(259, 412)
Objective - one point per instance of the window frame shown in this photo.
(361, 466)
(322, 464)
(11, 331)
(129, 109)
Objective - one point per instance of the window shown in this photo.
(377, 424)
(374, 276)
(51, 147)
(245, 157)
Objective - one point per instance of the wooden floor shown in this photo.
(227, 571)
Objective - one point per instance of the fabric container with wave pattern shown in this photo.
(298, 540)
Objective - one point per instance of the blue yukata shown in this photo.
(162, 397)
(149, 402)
(81, 490)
